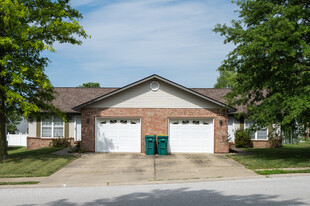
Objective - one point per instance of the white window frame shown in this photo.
(255, 134)
(63, 126)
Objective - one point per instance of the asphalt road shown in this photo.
(262, 191)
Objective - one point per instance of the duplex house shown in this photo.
(197, 120)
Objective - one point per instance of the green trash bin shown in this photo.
(150, 143)
(162, 144)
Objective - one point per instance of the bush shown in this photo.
(77, 148)
(243, 139)
(60, 142)
(275, 139)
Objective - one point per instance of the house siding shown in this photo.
(154, 121)
(32, 129)
(141, 96)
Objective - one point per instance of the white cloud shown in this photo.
(160, 36)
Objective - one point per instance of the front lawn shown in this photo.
(289, 156)
(277, 171)
(19, 183)
(32, 163)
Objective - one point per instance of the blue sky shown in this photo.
(132, 39)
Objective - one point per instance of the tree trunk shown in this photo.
(3, 143)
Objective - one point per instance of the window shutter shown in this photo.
(66, 129)
(270, 129)
(242, 123)
(38, 128)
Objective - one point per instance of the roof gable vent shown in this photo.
(154, 86)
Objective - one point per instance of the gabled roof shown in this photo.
(68, 97)
(154, 76)
(218, 94)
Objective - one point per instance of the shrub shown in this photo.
(275, 139)
(59, 142)
(243, 138)
(77, 148)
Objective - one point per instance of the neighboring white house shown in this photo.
(20, 136)
(22, 127)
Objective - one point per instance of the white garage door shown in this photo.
(191, 136)
(118, 135)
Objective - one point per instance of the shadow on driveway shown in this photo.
(184, 196)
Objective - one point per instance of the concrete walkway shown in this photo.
(97, 169)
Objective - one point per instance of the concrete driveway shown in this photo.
(96, 169)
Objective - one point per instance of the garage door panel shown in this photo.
(191, 136)
(118, 135)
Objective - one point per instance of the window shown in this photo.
(261, 134)
(195, 122)
(52, 126)
(123, 121)
(185, 122)
(113, 121)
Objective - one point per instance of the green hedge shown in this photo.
(243, 139)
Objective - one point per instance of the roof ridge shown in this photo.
(208, 88)
(90, 87)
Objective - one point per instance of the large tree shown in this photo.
(271, 61)
(90, 85)
(226, 79)
(27, 28)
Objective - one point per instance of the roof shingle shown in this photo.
(70, 97)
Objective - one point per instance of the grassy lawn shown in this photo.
(32, 163)
(19, 183)
(276, 171)
(289, 156)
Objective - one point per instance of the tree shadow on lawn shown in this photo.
(33, 163)
(184, 196)
(38, 154)
(14, 148)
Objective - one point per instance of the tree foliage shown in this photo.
(271, 60)
(243, 138)
(90, 84)
(26, 29)
(226, 79)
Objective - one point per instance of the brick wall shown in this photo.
(261, 144)
(38, 142)
(264, 143)
(154, 121)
